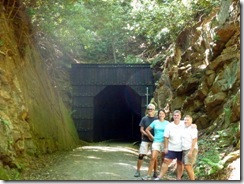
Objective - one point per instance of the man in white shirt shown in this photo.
(189, 146)
(173, 145)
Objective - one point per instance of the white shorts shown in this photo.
(145, 148)
(158, 146)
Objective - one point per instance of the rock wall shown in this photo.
(33, 117)
(201, 75)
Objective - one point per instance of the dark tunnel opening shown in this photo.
(117, 114)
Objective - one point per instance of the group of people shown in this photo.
(170, 140)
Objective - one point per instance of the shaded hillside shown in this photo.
(33, 117)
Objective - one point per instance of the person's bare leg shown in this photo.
(164, 167)
(155, 165)
(139, 164)
(179, 170)
(162, 159)
(152, 163)
(190, 172)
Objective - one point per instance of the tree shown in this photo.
(114, 31)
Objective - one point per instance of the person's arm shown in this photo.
(193, 125)
(194, 142)
(143, 131)
(166, 142)
(166, 138)
(150, 136)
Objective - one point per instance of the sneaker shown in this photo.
(137, 174)
(155, 174)
(157, 178)
(146, 178)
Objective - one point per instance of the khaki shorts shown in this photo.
(145, 148)
(158, 146)
(191, 160)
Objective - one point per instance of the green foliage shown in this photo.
(4, 174)
(230, 74)
(10, 174)
(89, 30)
(210, 166)
(132, 59)
(152, 21)
(114, 31)
(1, 43)
(234, 98)
(209, 161)
(204, 6)
(222, 15)
(228, 136)
(4, 122)
(216, 38)
(101, 32)
(212, 150)
(227, 113)
(161, 21)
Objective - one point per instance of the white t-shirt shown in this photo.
(174, 133)
(189, 133)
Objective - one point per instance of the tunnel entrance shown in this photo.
(108, 100)
(117, 113)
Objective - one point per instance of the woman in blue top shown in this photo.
(158, 127)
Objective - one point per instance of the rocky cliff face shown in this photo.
(33, 118)
(201, 75)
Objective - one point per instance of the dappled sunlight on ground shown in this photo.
(109, 149)
(101, 161)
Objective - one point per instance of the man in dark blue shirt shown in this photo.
(146, 143)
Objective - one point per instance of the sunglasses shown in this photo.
(150, 109)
